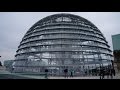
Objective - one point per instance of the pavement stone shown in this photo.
(9, 75)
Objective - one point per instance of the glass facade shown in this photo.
(116, 49)
(62, 41)
(116, 42)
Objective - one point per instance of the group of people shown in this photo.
(66, 73)
(102, 72)
(108, 72)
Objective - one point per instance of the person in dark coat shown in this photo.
(100, 73)
(46, 73)
(66, 72)
(71, 74)
(12, 70)
(111, 73)
(103, 73)
(107, 72)
(0, 63)
(114, 72)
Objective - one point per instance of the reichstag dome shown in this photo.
(62, 41)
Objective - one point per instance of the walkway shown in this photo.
(8, 75)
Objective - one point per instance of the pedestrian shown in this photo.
(107, 72)
(85, 73)
(114, 72)
(0, 63)
(46, 73)
(12, 70)
(100, 73)
(103, 73)
(89, 72)
(111, 73)
(66, 73)
(71, 74)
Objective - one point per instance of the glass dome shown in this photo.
(62, 41)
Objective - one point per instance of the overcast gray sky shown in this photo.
(14, 25)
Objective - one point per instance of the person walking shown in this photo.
(12, 70)
(103, 73)
(0, 63)
(71, 74)
(114, 73)
(46, 73)
(111, 73)
(100, 72)
(66, 73)
(107, 72)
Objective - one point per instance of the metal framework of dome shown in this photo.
(62, 41)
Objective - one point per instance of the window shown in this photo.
(66, 19)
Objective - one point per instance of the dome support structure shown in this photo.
(63, 41)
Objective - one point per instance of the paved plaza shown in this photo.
(8, 75)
